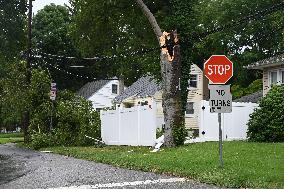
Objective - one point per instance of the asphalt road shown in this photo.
(27, 169)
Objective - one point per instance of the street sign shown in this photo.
(218, 69)
(220, 99)
(53, 91)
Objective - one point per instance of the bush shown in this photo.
(73, 116)
(266, 123)
(76, 118)
(42, 140)
(239, 91)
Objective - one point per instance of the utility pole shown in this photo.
(26, 117)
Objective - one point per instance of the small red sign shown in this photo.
(218, 69)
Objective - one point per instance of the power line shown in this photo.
(71, 73)
(142, 51)
(257, 15)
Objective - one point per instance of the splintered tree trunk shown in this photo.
(171, 74)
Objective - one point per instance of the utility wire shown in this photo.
(142, 51)
(71, 73)
(257, 15)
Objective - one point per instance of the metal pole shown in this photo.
(220, 141)
(26, 115)
(51, 118)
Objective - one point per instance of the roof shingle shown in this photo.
(143, 87)
(275, 60)
(90, 88)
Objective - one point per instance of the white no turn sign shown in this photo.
(220, 99)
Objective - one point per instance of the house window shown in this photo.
(98, 109)
(273, 77)
(189, 108)
(114, 88)
(193, 81)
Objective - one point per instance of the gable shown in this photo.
(92, 87)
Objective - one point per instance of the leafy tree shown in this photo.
(14, 95)
(51, 35)
(246, 41)
(12, 24)
(266, 123)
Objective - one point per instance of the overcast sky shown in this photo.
(39, 4)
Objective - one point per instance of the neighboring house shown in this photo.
(253, 98)
(101, 93)
(147, 91)
(273, 71)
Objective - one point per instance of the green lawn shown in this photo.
(11, 138)
(254, 165)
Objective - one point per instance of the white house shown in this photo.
(102, 92)
(272, 69)
(147, 91)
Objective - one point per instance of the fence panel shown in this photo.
(129, 126)
(234, 125)
(110, 131)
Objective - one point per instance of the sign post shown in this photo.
(219, 69)
(52, 98)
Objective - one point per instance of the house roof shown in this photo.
(254, 97)
(143, 87)
(269, 62)
(91, 87)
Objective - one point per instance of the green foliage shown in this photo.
(76, 119)
(239, 91)
(14, 94)
(73, 116)
(42, 140)
(266, 123)
(159, 132)
(12, 24)
(179, 134)
(51, 35)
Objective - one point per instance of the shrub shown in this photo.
(73, 117)
(76, 118)
(266, 123)
(42, 140)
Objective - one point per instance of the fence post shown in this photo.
(138, 125)
(119, 124)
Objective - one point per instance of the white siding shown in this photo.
(266, 77)
(103, 98)
(195, 95)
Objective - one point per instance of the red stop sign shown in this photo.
(218, 69)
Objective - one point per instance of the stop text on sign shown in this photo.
(218, 69)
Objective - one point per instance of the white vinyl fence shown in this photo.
(234, 125)
(129, 126)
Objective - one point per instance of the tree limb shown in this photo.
(150, 18)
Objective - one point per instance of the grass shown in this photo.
(11, 138)
(253, 165)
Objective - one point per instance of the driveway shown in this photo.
(26, 169)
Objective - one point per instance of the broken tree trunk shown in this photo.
(171, 74)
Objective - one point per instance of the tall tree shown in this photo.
(12, 43)
(51, 35)
(171, 76)
(124, 28)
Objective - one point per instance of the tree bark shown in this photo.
(150, 18)
(171, 73)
